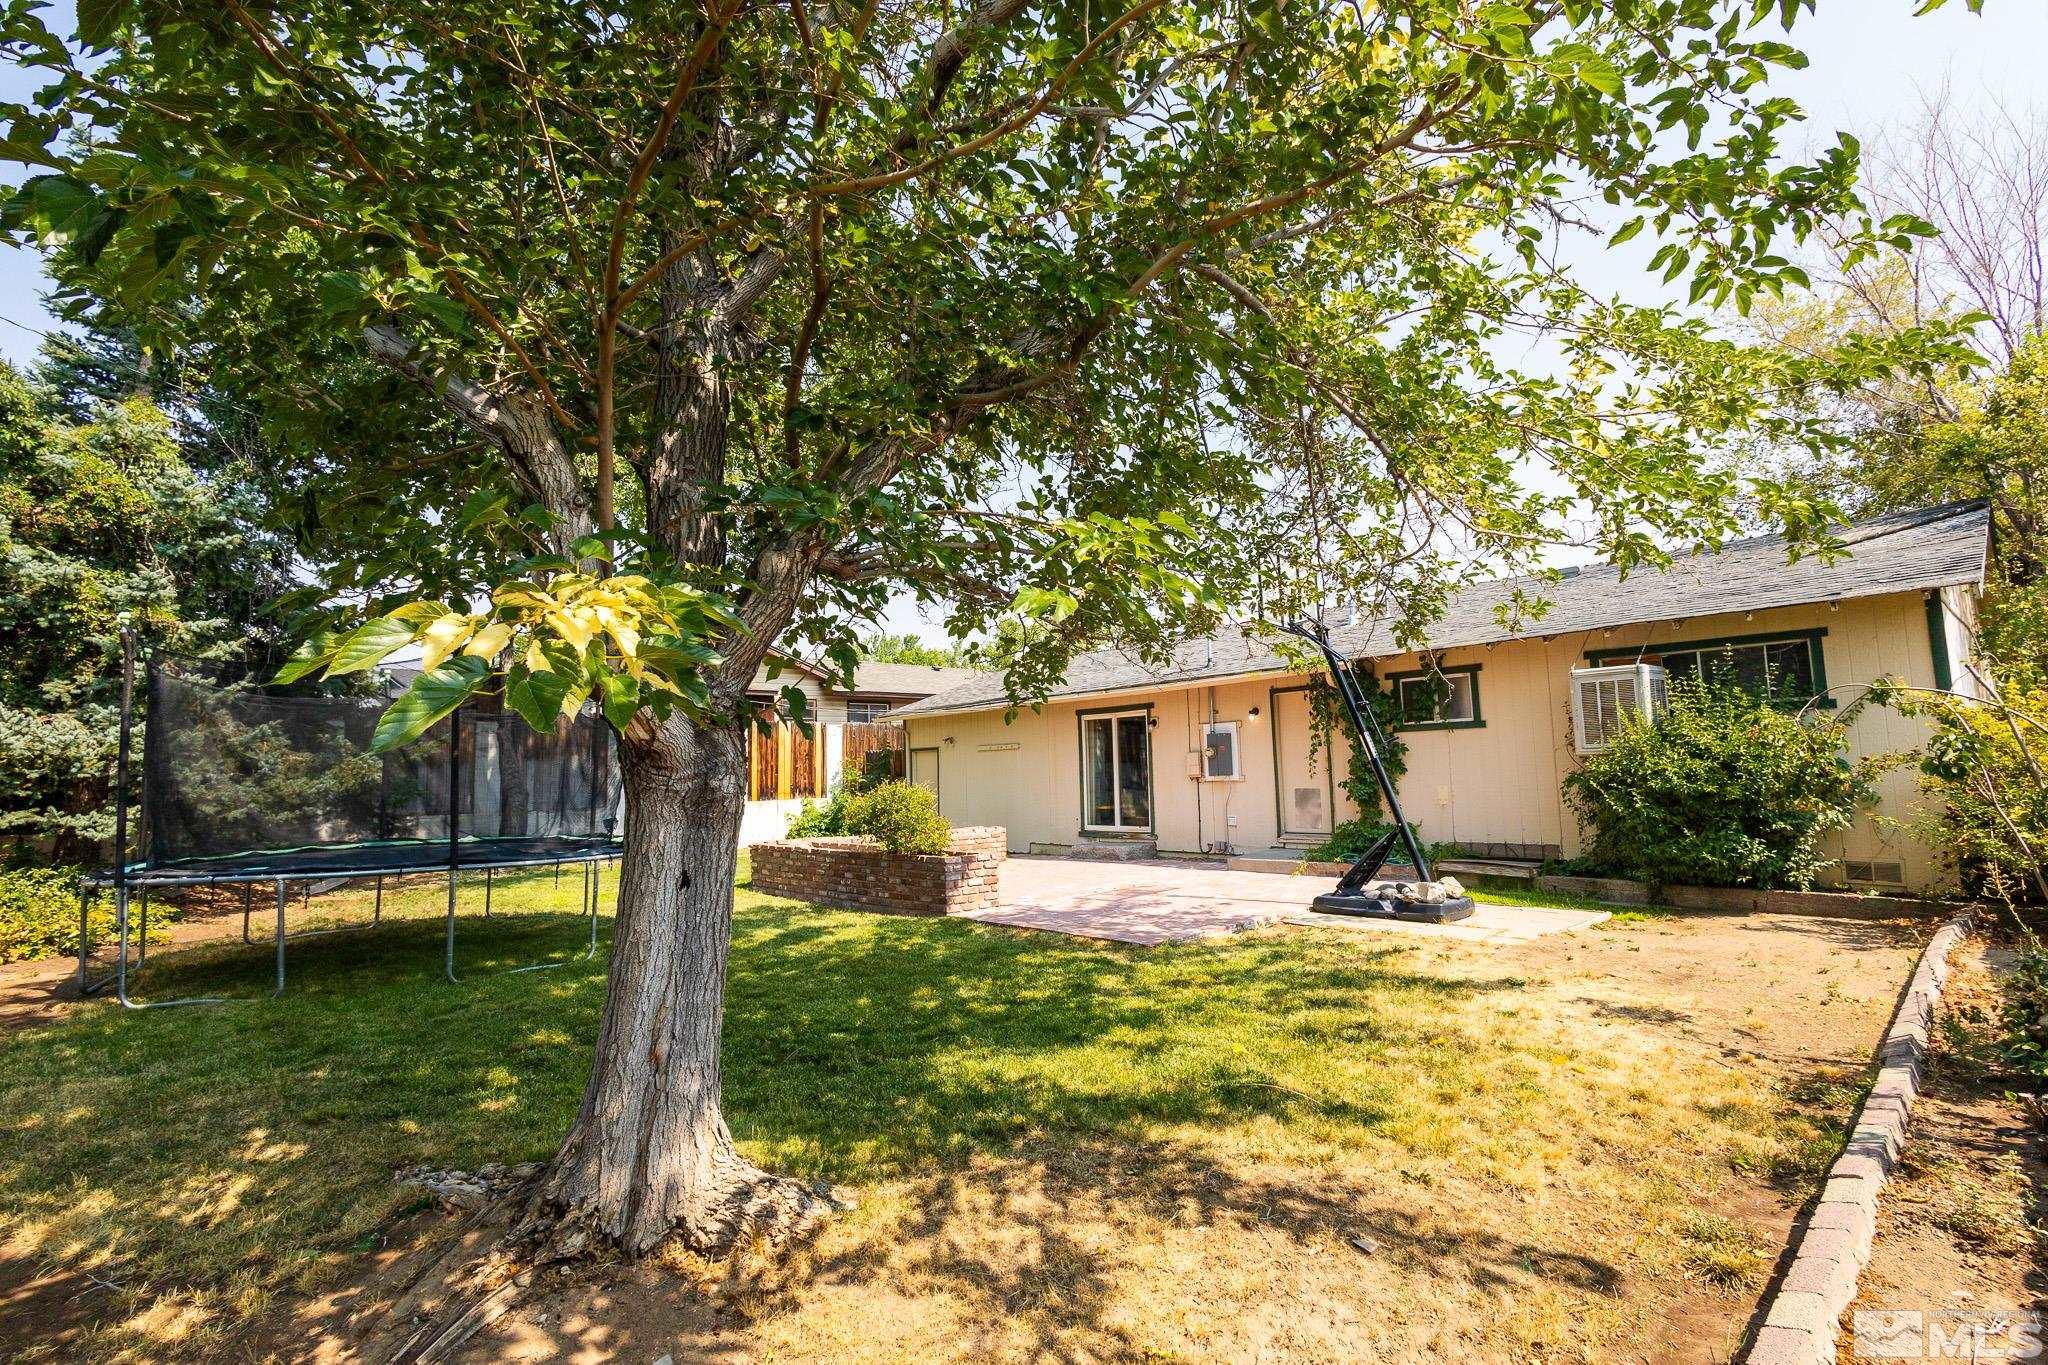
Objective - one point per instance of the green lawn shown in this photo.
(232, 1152)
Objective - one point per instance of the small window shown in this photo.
(1449, 697)
(1219, 752)
(866, 712)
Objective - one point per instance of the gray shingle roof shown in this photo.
(911, 680)
(1898, 552)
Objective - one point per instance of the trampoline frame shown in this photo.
(124, 880)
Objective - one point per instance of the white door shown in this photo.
(1307, 787)
(1116, 772)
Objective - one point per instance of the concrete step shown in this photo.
(1517, 868)
(1103, 850)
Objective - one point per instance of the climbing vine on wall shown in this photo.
(1327, 719)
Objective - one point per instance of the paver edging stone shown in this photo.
(1803, 1313)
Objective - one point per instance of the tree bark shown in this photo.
(649, 1155)
(515, 792)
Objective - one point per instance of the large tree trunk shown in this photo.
(515, 792)
(649, 1155)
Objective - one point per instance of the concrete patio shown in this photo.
(1150, 903)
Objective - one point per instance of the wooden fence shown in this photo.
(786, 763)
(862, 740)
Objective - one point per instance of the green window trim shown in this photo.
(1937, 642)
(1477, 720)
(1815, 653)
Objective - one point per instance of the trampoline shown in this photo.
(245, 786)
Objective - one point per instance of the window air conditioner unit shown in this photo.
(1602, 697)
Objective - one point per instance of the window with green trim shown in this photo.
(1446, 698)
(1785, 668)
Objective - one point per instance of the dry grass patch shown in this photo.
(1290, 1144)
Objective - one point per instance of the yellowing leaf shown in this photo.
(523, 596)
(576, 633)
(443, 638)
(488, 641)
(419, 613)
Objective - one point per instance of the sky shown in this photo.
(1871, 60)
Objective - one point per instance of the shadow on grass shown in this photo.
(250, 1144)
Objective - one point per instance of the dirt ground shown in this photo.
(1129, 1250)
(1961, 1225)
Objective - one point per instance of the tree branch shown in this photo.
(615, 253)
(863, 184)
(533, 452)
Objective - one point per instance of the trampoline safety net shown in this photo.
(233, 769)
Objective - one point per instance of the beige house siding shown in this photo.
(827, 708)
(1498, 783)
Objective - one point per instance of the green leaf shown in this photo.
(537, 697)
(343, 291)
(431, 696)
(621, 699)
(309, 656)
(98, 21)
(443, 310)
(55, 208)
(369, 645)
(1599, 73)
(482, 505)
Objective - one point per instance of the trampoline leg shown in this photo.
(448, 950)
(142, 944)
(590, 889)
(279, 989)
(377, 913)
(84, 940)
(121, 964)
(119, 976)
(488, 878)
(248, 905)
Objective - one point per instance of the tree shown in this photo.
(884, 648)
(1983, 183)
(762, 312)
(102, 521)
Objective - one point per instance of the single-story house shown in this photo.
(789, 765)
(1212, 753)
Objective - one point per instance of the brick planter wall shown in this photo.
(858, 874)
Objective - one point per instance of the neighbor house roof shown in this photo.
(911, 680)
(1898, 552)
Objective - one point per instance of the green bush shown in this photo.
(902, 818)
(1350, 840)
(1991, 817)
(815, 821)
(2024, 1012)
(1723, 789)
(39, 913)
